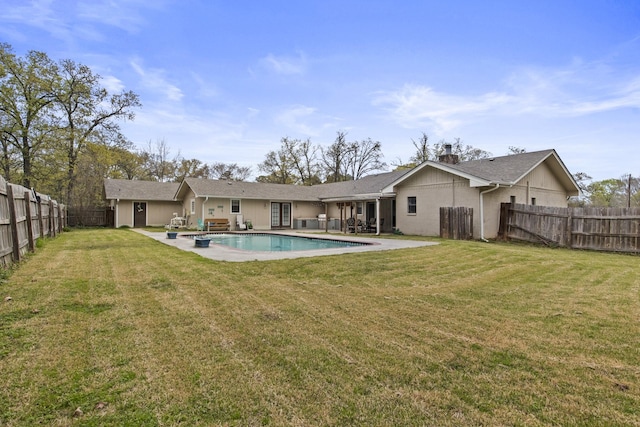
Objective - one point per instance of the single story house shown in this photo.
(141, 203)
(406, 200)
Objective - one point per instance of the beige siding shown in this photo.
(160, 213)
(125, 213)
(434, 189)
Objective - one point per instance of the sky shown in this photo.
(225, 81)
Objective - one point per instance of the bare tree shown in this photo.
(516, 150)
(190, 168)
(229, 171)
(423, 152)
(364, 157)
(335, 159)
(157, 162)
(303, 158)
(464, 152)
(278, 167)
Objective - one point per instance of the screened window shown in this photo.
(193, 206)
(235, 206)
(411, 205)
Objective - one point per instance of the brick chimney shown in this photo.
(447, 157)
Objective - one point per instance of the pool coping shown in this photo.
(225, 253)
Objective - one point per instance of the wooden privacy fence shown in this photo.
(89, 217)
(25, 216)
(456, 223)
(594, 228)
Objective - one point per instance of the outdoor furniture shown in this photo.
(354, 226)
(217, 224)
(240, 225)
(200, 225)
(371, 226)
(178, 222)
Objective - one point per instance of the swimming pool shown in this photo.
(277, 242)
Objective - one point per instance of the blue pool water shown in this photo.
(276, 243)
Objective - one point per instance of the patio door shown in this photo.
(280, 215)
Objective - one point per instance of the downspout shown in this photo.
(378, 216)
(116, 223)
(482, 193)
(206, 199)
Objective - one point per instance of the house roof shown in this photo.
(505, 170)
(245, 190)
(124, 189)
(369, 185)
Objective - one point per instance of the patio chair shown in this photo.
(372, 225)
(351, 225)
(240, 225)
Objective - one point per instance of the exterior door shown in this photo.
(280, 215)
(139, 214)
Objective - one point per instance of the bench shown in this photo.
(216, 224)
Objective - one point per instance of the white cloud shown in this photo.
(574, 91)
(414, 106)
(112, 84)
(296, 119)
(285, 65)
(155, 81)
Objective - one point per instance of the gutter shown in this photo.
(482, 193)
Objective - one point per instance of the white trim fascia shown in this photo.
(359, 197)
(474, 181)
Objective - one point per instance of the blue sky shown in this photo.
(224, 81)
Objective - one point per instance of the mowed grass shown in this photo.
(134, 332)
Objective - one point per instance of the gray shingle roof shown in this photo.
(504, 169)
(256, 190)
(139, 190)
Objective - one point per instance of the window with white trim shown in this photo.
(412, 205)
(235, 206)
(193, 206)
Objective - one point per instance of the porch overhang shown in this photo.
(358, 197)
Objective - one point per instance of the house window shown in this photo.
(235, 206)
(512, 200)
(359, 208)
(193, 206)
(533, 200)
(411, 205)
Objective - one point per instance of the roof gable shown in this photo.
(124, 189)
(504, 170)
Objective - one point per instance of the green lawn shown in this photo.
(134, 332)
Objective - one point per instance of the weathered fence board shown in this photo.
(25, 216)
(456, 223)
(593, 228)
(88, 217)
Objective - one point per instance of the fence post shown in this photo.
(569, 231)
(27, 206)
(40, 219)
(14, 223)
(52, 220)
(62, 218)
